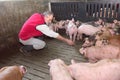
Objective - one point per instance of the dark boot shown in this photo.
(26, 49)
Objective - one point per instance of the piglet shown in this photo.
(87, 30)
(71, 30)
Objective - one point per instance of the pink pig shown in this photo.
(87, 29)
(95, 53)
(58, 70)
(71, 30)
(107, 69)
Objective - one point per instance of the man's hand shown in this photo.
(69, 42)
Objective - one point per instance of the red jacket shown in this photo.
(28, 30)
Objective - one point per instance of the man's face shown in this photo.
(48, 18)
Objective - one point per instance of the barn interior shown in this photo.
(14, 13)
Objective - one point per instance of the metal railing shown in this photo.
(86, 11)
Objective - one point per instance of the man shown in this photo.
(36, 26)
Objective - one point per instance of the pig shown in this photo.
(106, 69)
(58, 25)
(89, 41)
(12, 72)
(106, 31)
(104, 37)
(51, 26)
(96, 23)
(114, 27)
(62, 24)
(71, 30)
(101, 37)
(101, 42)
(96, 53)
(112, 39)
(58, 70)
(87, 30)
(78, 23)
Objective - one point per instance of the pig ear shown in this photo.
(23, 69)
(49, 64)
(59, 60)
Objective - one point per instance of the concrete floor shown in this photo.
(37, 64)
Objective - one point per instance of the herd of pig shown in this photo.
(75, 29)
(101, 47)
(102, 40)
(106, 69)
(103, 44)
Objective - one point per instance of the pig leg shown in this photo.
(67, 32)
(56, 28)
(74, 36)
(71, 38)
(79, 36)
(80, 32)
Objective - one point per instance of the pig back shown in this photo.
(59, 71)
(96, 53)
(103, 70)
(88, 29)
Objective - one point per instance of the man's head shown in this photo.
(48, 16)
